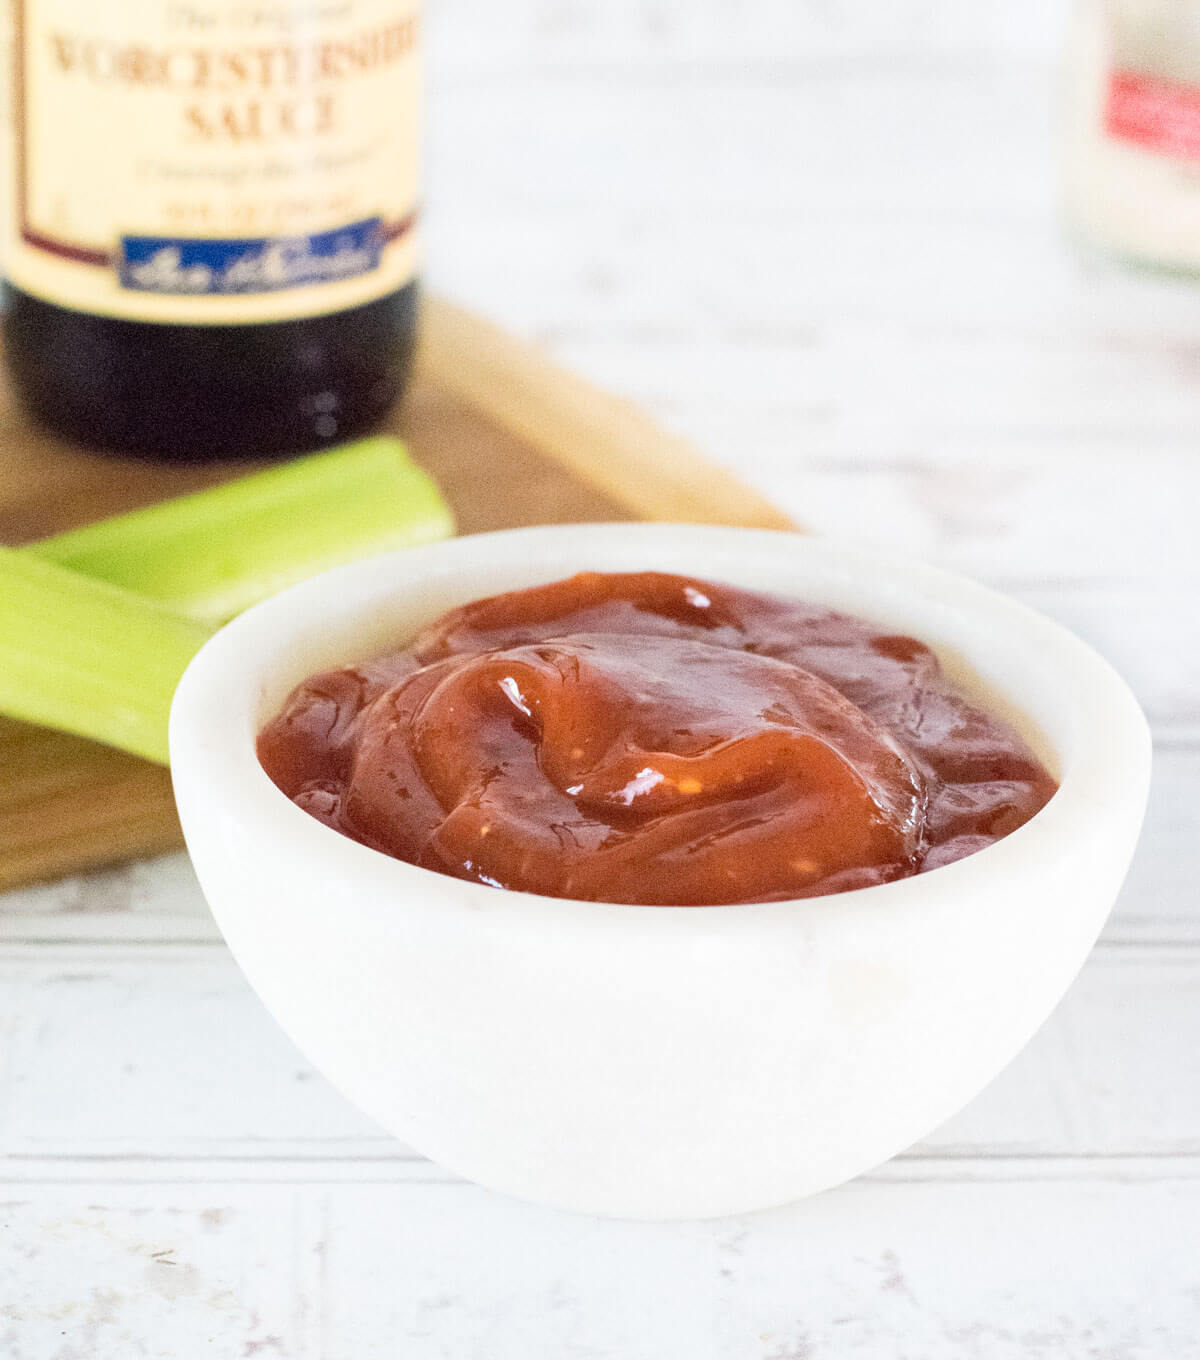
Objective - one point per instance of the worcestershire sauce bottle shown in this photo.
(211, 249)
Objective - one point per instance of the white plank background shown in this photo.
(820, 238)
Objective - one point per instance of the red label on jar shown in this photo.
(1163, 115)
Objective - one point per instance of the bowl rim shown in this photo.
(221, 694)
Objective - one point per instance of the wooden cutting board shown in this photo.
(510, 438)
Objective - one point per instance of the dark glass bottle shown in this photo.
(211, 243)
(194, 393)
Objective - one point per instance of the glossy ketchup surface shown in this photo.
(647, 738)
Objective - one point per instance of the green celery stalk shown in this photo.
(213, 553)
(88, 657)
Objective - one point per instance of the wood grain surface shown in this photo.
(511, 438)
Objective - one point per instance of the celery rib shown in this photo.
(97, 625)
(88, 657)
(213, 553)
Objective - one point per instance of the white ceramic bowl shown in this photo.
(653, 1062)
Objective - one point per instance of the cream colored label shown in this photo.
(214, 161)
(1156, 37)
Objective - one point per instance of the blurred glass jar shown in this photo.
(1132, 129)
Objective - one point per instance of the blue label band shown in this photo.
(165, 264)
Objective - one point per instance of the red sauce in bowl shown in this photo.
(648, 738)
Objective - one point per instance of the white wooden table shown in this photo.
(818, 237)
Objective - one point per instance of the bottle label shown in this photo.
(1161, 115)
(214, 161)
(1152, 97)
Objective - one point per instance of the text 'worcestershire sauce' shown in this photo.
(211, 249)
